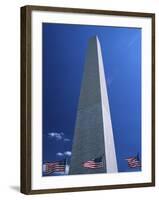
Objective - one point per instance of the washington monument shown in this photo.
(93, 148)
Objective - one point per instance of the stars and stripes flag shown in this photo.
(56, 166)
(93, 163)
(134, 162)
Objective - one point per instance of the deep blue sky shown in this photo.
(64, 50)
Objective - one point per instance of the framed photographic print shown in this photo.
(87, 99)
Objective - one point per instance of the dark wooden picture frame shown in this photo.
(26, 104)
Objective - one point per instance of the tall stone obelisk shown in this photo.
(93, 137)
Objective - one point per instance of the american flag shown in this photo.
(93, 163)
(56, 166)
(134, 162)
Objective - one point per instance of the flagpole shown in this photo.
(65, 165)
